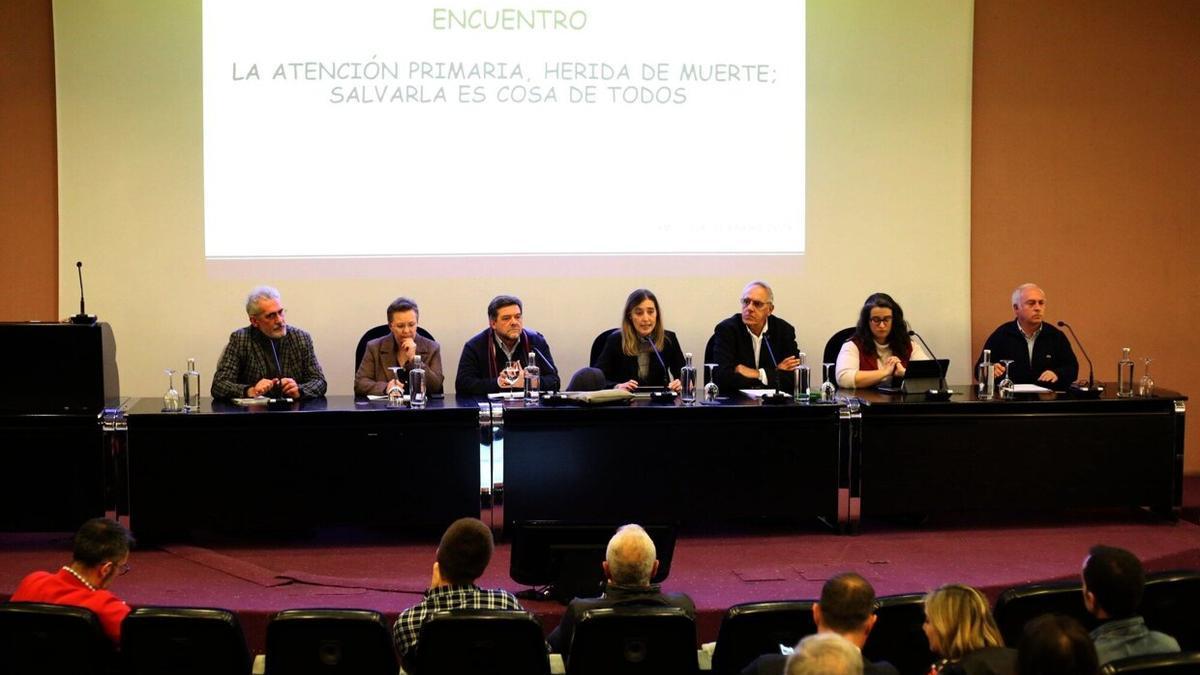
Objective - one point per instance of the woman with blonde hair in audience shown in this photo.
(962, 632)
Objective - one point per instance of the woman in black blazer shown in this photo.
(642, 352)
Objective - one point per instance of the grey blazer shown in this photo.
(372, 375)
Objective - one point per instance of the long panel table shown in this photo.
(1037, 453)
(323, 462)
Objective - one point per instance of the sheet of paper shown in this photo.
(759, 393)
(1029, 389)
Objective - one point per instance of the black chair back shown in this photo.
(899, 635)
(378, 332)
(44, 639)
(834, 345)
(755, 628)
(1019, 605)
(329, 642)
(633, 641)
(1183, 663)
(1169, 605)
(473, 641)
(598, 346)
(183, 641)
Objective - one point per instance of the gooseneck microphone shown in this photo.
(943, 393)
(82, 317)
(1091, 386)
(538, 351)
(777, 397)
(666, 373)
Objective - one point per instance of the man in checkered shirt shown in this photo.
(462, 557)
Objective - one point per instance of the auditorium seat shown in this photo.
(598, 346)
(1018, 605)
(899, 636)
(633, 641)
(330, 641)
(1184, 663)
(473, 641)
(751, 629)
(52, 640)
(378, 332)
(1170, 604)
(833, 346)
(183, 641)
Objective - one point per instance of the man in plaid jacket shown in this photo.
(268, 358)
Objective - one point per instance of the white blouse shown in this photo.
(847, 361)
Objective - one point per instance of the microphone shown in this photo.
(82, 318)
(278, 367)
(666, 372)
(1082, 392)
(943, 393)
(778, 397)
(538, 351)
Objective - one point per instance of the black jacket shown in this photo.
(619, 367)
(477, 367)
(614, 596)
(732, 347)
(1051, 351)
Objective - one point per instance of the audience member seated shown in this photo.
(1113, 582)
(825, 654)
(268, 357)
(398, 349)
(881, 347)
(961, 630)
(847, 607)
(1054, 644)
(642, 352)
(101, 555)
(462, 557)
(630, 565)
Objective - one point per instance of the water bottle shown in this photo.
(803, 384)
(533, 376)
(191, 387)
(416, 383)
(987, 377)
(1125, 375)
(687, 378)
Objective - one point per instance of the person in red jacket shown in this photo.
(101, 555)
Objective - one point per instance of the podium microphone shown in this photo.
(1090, 391)
(82, 318)
(666, 372)
(942, 393)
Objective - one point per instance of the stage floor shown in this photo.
(341, 569)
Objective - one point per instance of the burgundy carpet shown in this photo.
(716, 570)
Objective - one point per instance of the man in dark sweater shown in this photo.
(631, 562)
(847, 607)
(1040, 353)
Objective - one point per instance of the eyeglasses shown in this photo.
(757, 304)
(881, 320)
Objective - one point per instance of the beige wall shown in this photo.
(888, 127)
(1086, 175)
(28, 171)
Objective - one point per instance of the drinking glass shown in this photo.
(511, 371)
(710, 387)
(1146, 384)
(171, 400)
(395, 393)
(1006, 385)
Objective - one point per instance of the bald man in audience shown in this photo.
(631, 562)
(846, 608)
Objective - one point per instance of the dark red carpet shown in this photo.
(717, 571)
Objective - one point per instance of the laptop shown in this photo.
(919, 377)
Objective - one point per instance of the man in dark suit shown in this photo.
(483, 366)
(754, 348)
(1041, 354)
(847, 607)
(631, 563)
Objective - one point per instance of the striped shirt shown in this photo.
(468, 596)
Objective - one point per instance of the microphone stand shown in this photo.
(778, 398)
(1091, 390)
(943, 393)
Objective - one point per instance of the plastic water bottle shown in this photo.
(1125, 375)
(803, 383)
(416, 383)
(191, 387)
(533, 377)
(687, 378)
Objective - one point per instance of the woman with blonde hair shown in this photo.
(961, 630)
(642, 352)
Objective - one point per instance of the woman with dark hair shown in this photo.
(642, 352)
(880, 348)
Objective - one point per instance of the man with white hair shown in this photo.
(825, 654)
(1040, 353)
(754, 349)
(268, 357)
(631, 563)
